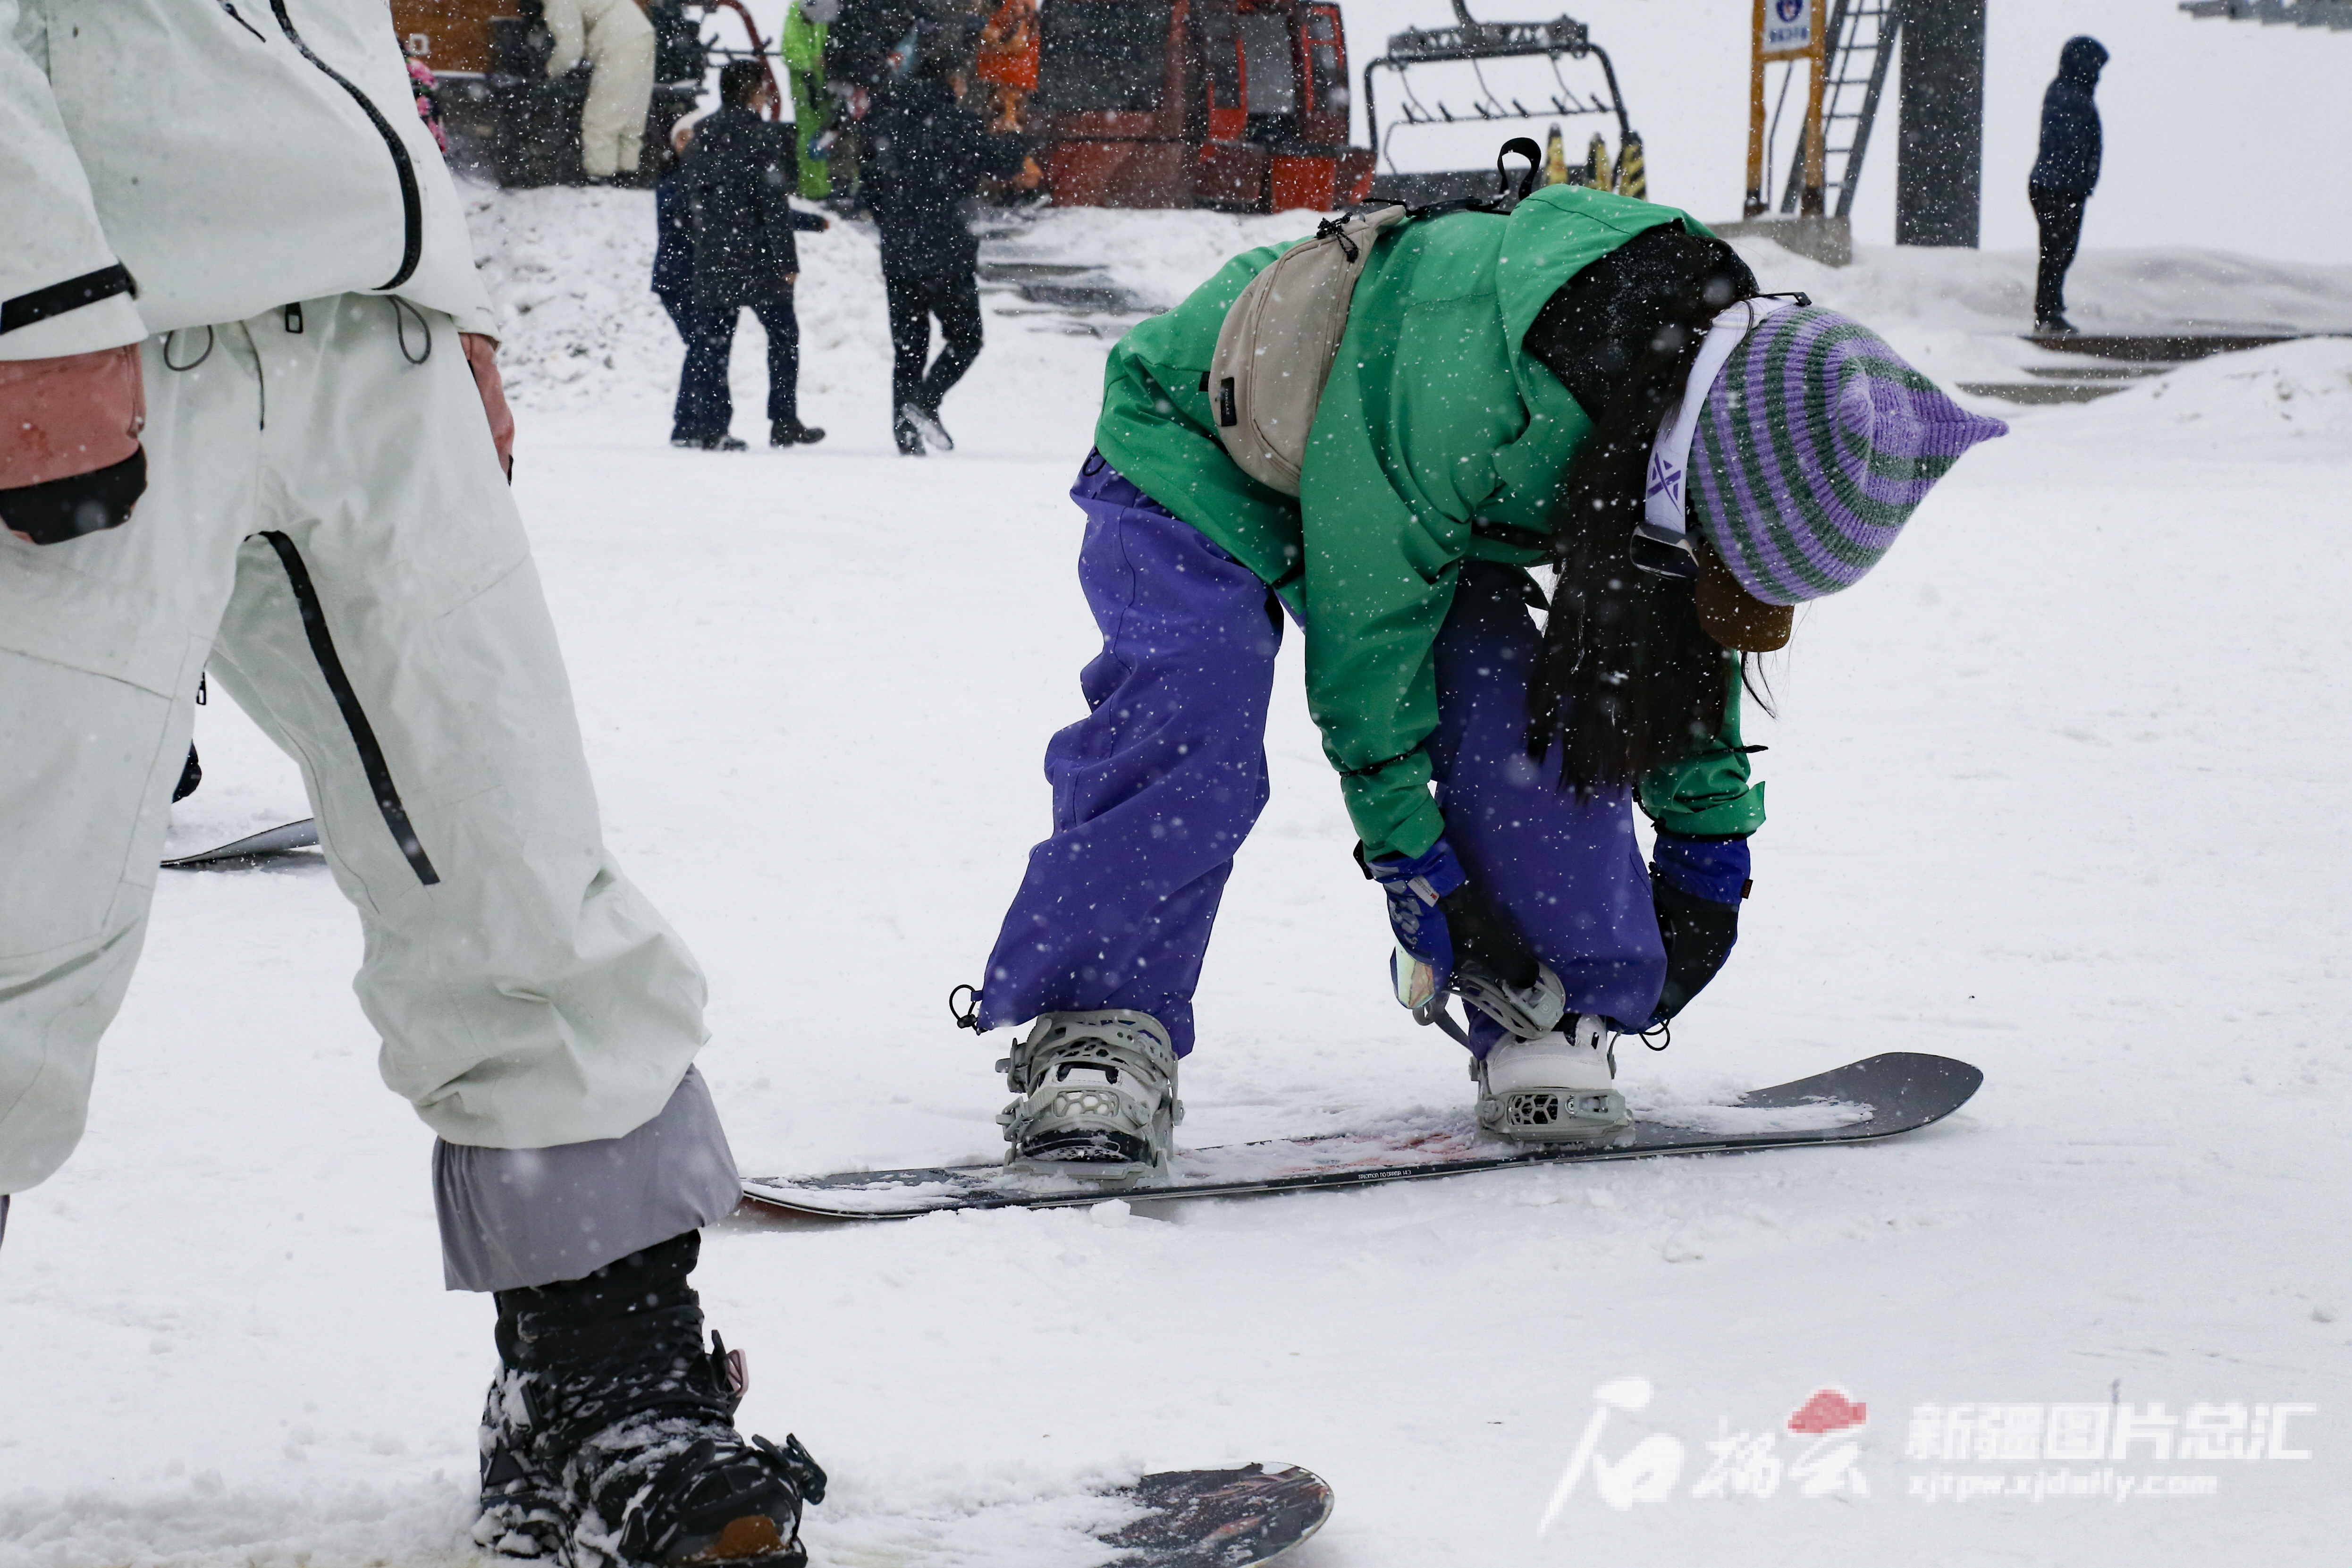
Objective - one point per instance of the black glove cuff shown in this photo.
(1699, 935)
(60, 509)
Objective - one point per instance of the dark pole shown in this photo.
(1939, 160)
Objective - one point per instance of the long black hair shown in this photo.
(1627, 680)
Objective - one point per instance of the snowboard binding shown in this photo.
(1097, 1096)
(1524, 1011)
(1551, 1078)
(1555, 1087)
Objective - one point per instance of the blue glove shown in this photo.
(1413, 886)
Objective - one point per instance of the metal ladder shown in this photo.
(1862, 39)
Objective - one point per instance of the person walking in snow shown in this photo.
(673, 278)
(702, 380)
(428, 87)
(926, 156)
(250, 416)
(1511, 391)
(2064, 174)
(814, 138)
(615, 37)
(735, 184)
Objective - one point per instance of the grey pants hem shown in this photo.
(513, 1217)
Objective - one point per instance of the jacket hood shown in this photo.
(2080, 60)
(1551, 236)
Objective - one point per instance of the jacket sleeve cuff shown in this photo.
(1385, 832)
(482, 320)
(106, 323)
(1737, 817)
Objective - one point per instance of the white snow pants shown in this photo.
(617, 39)
(326, 524)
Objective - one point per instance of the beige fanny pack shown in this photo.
(1275, 348)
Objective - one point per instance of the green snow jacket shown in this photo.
(1438, 440)
(803, 47)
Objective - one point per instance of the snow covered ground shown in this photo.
(2051, 792)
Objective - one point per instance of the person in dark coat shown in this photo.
(673, 285)
(733, 186)
(2064, 175)
(927, 156)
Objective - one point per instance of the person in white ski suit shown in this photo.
(614, 37)
(250, 418)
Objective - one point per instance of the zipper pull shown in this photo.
(294, 318)
(241, 21)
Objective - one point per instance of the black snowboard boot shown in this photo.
(524, 1512)
(609, 1441)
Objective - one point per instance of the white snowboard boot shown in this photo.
(1558, 1087)
(1097, 1097)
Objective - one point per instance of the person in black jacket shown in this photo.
(733, 184)
(2064, 175)
(926, 156)
(673, 284)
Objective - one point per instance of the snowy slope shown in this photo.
(2052, 791)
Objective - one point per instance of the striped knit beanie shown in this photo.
(1813, 446)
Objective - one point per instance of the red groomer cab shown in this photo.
(1239, 104)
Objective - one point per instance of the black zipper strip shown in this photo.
(70, 295)
(322, 648)
(412, 204)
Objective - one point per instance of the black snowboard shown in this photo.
(1220, 1519)
(266, 845)
(1899, 1091)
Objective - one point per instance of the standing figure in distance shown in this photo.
(206, 205)
(926, 154)
(736, 184)
(1510, 391)
(699, 379)
(806, 23)
(2064, 175)
(615, 37)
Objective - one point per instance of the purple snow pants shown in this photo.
(1156, 788)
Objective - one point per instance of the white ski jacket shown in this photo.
(225, 156)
